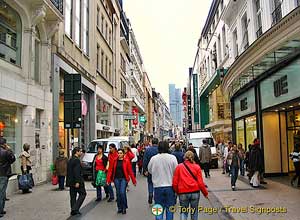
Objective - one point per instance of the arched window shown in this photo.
(37, 55)
(10, 34)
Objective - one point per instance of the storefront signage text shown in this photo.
(106, 128)
(244, 104)
(281, 86)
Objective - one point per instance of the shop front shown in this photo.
(270, 111)
(245, 118)
(280, 104)
(104, 119)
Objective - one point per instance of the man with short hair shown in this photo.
(112, 157)
(6, 159)
(149, 153)
(162, 167)
(75, 181)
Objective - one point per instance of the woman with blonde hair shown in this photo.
(187, 183)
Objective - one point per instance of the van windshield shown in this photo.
(92, 148)
(197, 142)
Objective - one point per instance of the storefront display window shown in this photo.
(240, 131)
(103, 112)
(10, 127)
(251, 132)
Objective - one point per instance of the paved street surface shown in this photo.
(47, 203)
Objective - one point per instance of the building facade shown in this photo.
(26, 38)
(148, 124)
(210, 65)
(175, 104)
(262, 81)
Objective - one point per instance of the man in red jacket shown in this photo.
(112, 157)
(187, 183)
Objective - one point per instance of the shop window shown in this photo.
(251, 132)
(10, 34)
(103, 112)
(240, 132)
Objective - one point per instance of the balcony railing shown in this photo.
(259, 32)
(59, 4)
(277, 14)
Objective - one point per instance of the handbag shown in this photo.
(25, 181)
(54, 180)
(101, 178)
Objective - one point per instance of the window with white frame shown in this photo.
(98, 17)
(37, 56)
(258, 18)
(109, 72)
(219, 57)
(10, 34)
(98, 57)
(38, 118)
(106, 31)
(235, 44)
(106, 67)
(224, 42)
(245, 41)
(102, 24)
(85, 26)
(78, 22)
(68, 17)
(102, 61)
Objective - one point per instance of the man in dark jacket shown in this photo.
(75, 181)
(205, 157)
(6, 159)
(256, 164)
(149, 153)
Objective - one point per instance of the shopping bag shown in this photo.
(101, 178)
(54, 180)
(25, 181)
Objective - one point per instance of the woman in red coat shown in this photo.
(187, 183)
(120, 173)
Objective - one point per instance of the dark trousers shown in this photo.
(165, 196)
(3, 186)
(234, 174)
(134, 168)
(297, 169)
(61, 182)
(150, 186)
(121, 185)
(206, 169)
(77, 202)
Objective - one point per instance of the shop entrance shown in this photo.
(293, 132)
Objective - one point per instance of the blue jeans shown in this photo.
(109, 190)
(150, 185)
(165, 196)
(234, 174)
(61, 182)
(189, 199)
(121, 185)
(242, 167)
(3, 186)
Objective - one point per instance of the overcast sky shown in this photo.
(167, 32)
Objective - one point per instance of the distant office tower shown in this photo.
(175, 104)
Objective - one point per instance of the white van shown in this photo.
(91, 151)
(196, 139)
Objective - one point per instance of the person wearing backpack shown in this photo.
(187, 183)
(99, 172)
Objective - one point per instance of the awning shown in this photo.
(213, 83)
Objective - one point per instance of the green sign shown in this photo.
(196, 99)
(142, 119)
